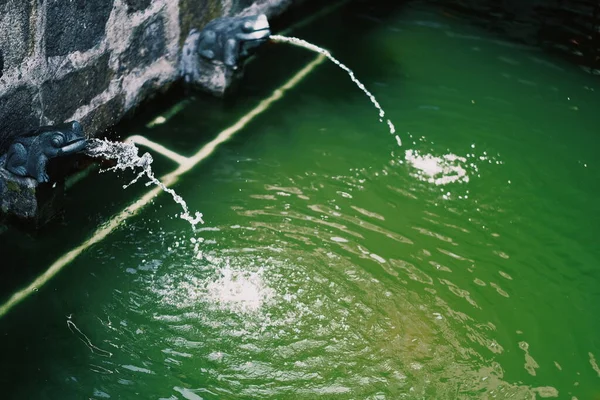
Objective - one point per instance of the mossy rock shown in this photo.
(195, 15)
(13, 186)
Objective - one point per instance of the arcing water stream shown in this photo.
(126, 157)
(326, 53)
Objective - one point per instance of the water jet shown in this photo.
(309, 46)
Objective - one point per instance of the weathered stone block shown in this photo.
(15, 37)
(105, 116)
(75, 25)
(270, 8)
(137, 5)
(195, 14)
(148, 44)
(150, 88)
(28, 201)
(17, 194)
(63, 97)
(216, 78)
(17, 114)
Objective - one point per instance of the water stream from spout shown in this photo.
(126, 157)
(303, 43)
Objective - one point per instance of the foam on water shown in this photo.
(448, 168)
(240, 289)
(126, 157)
(326, 53)
(443, 170)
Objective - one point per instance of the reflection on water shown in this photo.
(299, 318)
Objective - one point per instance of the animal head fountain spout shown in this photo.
(212, 58)
(28, 155)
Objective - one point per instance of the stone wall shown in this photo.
(95, 60)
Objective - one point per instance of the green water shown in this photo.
(334, 264)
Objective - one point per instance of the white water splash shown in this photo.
(241, 290)
(126, 157)
(448, 168)
(443, 170)
(326, 53)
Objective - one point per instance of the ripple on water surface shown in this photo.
(282, 319)
(364, 271)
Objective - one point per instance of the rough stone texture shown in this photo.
(15, 30)
(271, 8)
(195, 14)
(219, 79)
(137, 5)
(65, 59)
(17, 114)
(107, 114)
(94, 60)
(17, 195)
(75, 25)
(147, 44)
(24, 199)
(63, 96)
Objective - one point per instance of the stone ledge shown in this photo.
(17, 194)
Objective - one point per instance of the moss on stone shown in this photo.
(192, 15)
(13, 186)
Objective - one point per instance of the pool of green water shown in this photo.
(334, 263)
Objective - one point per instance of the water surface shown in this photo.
(333, 263)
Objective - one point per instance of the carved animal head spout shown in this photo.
(63, 139)
(232, 39)
(29, 154)
(254, 31)
(226, 41)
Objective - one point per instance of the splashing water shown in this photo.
(326, 53)
(126, 157)
(443, 170)
(238, 290)
(219, 283)
(448, 168)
